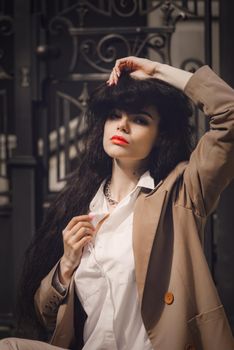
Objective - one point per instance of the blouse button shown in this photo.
(168, 298)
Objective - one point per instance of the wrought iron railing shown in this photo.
(77, 43)
(80, 52)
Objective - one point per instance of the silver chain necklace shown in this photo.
(107, 193)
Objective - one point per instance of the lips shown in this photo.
(119, 140)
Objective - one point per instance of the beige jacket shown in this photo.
(179, 303)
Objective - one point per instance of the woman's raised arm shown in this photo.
(142, 68)
(211, 165)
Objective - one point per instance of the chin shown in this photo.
(117, 153)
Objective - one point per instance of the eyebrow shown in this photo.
(140, 112)
(146, 113)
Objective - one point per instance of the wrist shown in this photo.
(65, 271)
(174, 76)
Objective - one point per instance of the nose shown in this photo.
(123, 124)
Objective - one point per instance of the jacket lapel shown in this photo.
(144, 230)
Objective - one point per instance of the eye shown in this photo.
(138, 119)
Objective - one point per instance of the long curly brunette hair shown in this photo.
(174, 145)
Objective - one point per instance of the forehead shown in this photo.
(148, 111)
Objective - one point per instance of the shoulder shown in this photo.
(168, 183)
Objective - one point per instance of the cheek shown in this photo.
(106, 136)
(104, 140)
(108, 127)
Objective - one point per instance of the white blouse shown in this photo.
(105, 279)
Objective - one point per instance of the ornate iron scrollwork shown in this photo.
(126, 8)
(87, 51)
(104, 51)
(123, 8)
(191, 64)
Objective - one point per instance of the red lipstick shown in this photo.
(119, 140)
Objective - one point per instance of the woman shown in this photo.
(118, 262)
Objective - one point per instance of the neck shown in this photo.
(125, 177)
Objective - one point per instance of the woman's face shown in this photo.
(131, 135)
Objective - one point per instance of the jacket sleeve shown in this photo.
(211, 165)
(47, 301)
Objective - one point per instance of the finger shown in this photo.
(78, 246)
(83, 231)
(81, 226)
(116, 71)
(82, 243)
(115, 76)
(111, 79)
(75, 220)
(123, 61)
(78, 236)
(126, 62)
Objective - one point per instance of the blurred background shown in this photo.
(52, 54)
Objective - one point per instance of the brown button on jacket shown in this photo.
(179, 302)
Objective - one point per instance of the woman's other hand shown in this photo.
(76, 235)
(142, 68)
